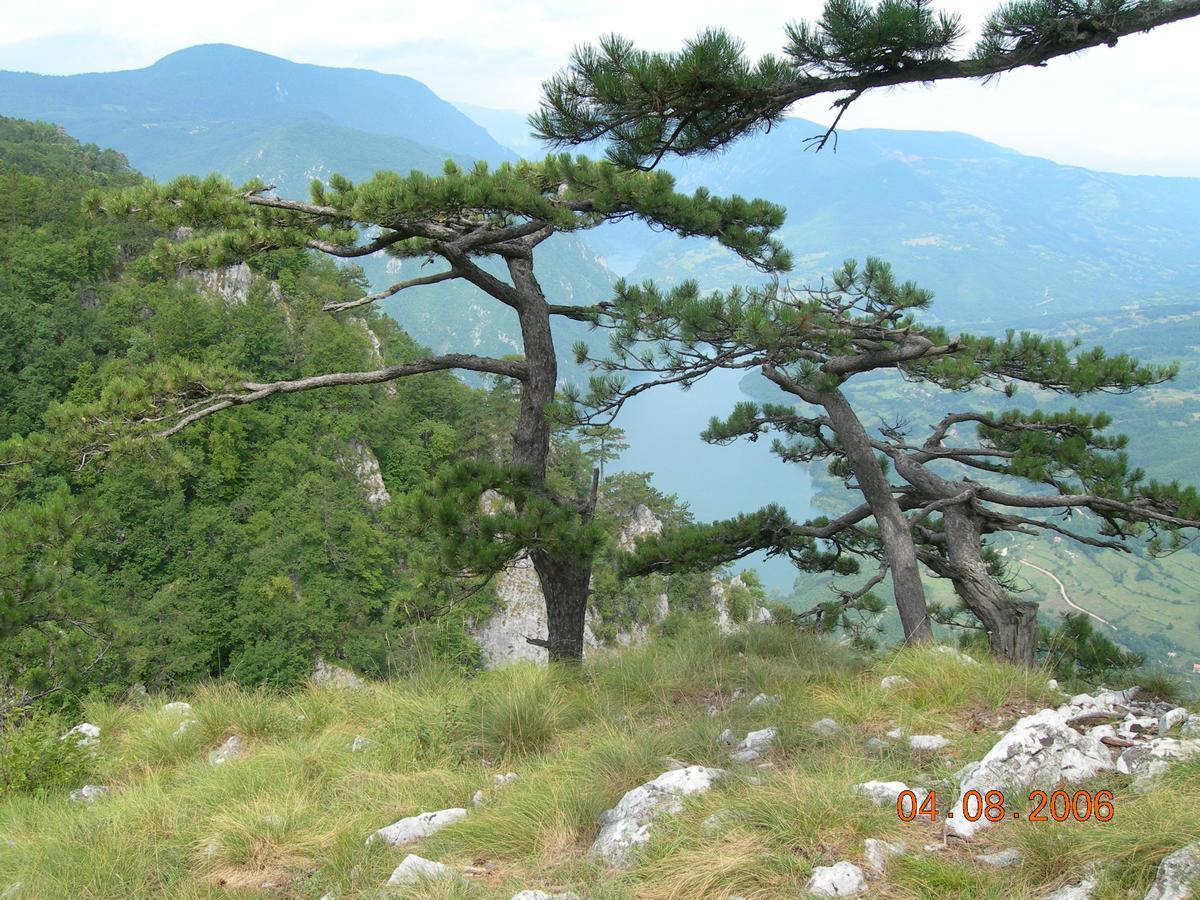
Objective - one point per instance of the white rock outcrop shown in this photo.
(759, 740)
(627, 825)
(178, 707)
(231, 283)
(1084, 737)
(1178, 875)
(1081, 890)
(326, 674)
(842, 879)
(1001, 859)
(418, 827)
(416, 869)
(364, 465)
(889, 682)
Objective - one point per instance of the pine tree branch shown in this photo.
(252, 392)
(393, 290)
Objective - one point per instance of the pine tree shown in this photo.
(698, 99)
(602, 444)
(950, 488)
(461, 218)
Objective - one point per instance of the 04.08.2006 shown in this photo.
(1056, 806)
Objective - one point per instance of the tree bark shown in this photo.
(1011, 624)
(564, 577)
(898, 546)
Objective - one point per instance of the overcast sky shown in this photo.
(1132, 109)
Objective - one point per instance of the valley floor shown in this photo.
(289, 817)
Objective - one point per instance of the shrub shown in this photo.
(35, 760)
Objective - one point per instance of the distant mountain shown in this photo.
(168, 116)
(997, 235)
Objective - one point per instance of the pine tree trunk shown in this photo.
(565, 585)
(1011, 624)
(899, 549)
(565, 579)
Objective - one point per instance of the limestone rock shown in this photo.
(825, 727)
(415, 869)
(507, 778)
(877, 852)
(842, 879)
(727, 738)
(888, 682)
(478, 799)
(744, 756)
(885, 793)
(927, 742)
(1039, 750)
(89, 793)
(1175, 717)
(177, 707)
(542, 895)
(1001, 859)
(326, 674)
(84, 734)
(231, 283)
(759, 740)
(361, 460)
(415, 828)
(626, 826)
(1178, 875)
(359, 744)
(184, 726)
(233, 747)
(1081, 890)
(764, 700)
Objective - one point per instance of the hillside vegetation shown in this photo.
(290, 817)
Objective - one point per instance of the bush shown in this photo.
(35, 760)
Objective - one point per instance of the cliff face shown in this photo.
(521, 608)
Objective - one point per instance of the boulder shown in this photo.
(1177, 875)
(842, 879)
(415, 869)
(727, 738)
(507, 778)
(1147, 760)
(233, 747)
(888, 682)
(744, 756)
(178, 707)
(415, 828)
(627, 825)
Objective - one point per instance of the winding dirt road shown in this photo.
(1062, 590)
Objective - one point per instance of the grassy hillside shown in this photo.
(289, 819)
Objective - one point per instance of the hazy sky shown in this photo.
(1133, 109)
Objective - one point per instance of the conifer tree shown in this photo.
(951, 488)
(698, 99)
(462, 219)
